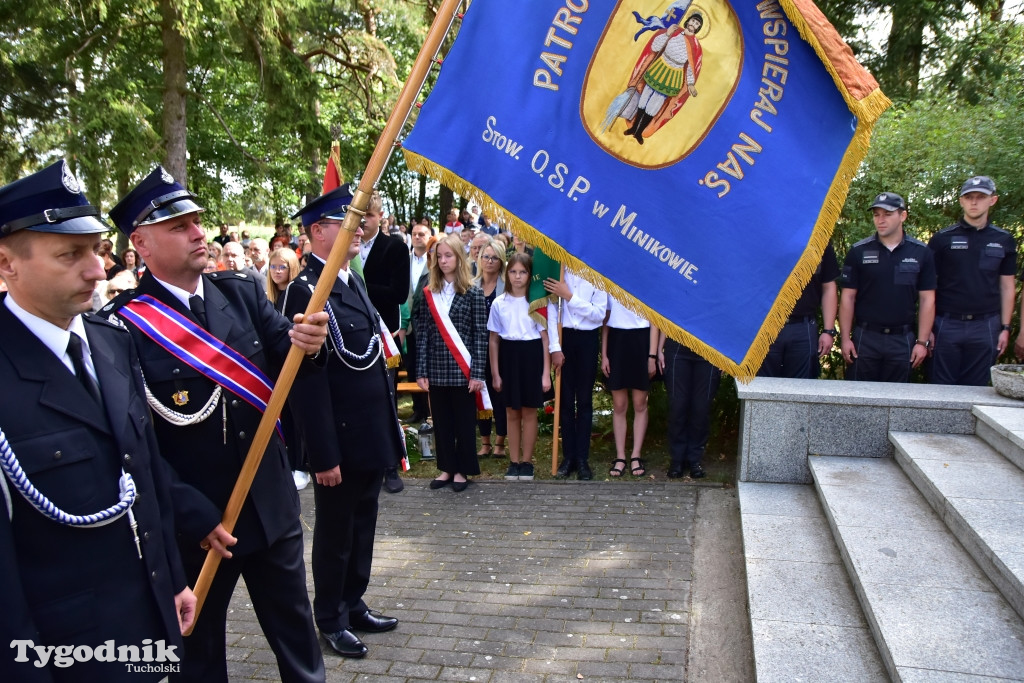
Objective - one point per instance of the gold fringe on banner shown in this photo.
(865, 100)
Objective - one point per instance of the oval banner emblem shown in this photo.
(662, 74)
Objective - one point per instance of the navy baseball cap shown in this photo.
(890, 201)
(979, 183)
(159, 197)
(50, 200)
(332, 205)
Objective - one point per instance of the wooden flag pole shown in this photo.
(558, 387)
(360, 200)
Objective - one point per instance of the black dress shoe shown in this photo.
(697, 472)
(675, 472)
(584, 473)
(565, 469)
(371, 623)
(439, 483)
(345, 643)
(392, 482)
(460, 486)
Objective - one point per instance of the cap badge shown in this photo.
(166, 177)
(69, 180)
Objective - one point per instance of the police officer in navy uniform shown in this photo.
(885, 278)
(350, 428)
(205, 431)
(976, 264)
(795, 352)
(75, 418)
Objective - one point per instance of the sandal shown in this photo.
(498, 450)
(485, 450)
(615, 470)
(637, 470)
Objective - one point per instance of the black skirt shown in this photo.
(521, 364)
(628, 352)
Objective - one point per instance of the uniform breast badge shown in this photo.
(180, 398)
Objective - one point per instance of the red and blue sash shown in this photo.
(201, 351)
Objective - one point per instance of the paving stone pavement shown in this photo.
(516, 582)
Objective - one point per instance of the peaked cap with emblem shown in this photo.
(159, 197)
(332, 205)
(50, 200)
(979, 183)
(890, 201)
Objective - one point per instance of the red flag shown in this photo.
(332, 174)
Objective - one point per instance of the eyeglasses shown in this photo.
(279, 267)
(490, 259)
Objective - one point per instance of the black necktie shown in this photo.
(75, 350)
(195, 302)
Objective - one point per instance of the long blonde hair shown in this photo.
(287, 255)
(463, 277)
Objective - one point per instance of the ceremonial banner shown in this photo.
(690, 157)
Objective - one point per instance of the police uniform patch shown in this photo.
(958, 243)
(869, 258)
(166, 177)
(70, 181)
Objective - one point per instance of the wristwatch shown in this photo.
(926, 343)
(1004, 328)
(832, 333)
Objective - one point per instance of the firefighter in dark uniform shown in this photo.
(205, 426)
(795, 352)
(885, 278)
(348, 422)
(976, 265)
(77, 442)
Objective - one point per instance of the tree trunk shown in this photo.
(901, 77)
(175, 130)
(446, 199)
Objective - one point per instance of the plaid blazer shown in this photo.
(433, 359)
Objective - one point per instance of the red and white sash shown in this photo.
(459, 352)
(200, 350)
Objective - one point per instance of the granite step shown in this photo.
(934, 614)
(1003, 429)
(979, 494)
(804, 616)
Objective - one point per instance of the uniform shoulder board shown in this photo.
(111, 321)
(914, 240)
(950, 228)
(241, 274)
(998, 229)
(107, 311)
(864, 241)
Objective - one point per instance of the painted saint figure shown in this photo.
(664, 78)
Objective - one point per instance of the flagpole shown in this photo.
(558, 387)
(360, 200)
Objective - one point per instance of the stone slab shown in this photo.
(789, 652)
(774, 445)
(806, 592)
(940, 616)
(806, 539)
(884, 394)
(854, 430)
(781, 500)
(927, 420)
(1008, 424)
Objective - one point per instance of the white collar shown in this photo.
(180, 294)
(52, 337)
(343, 273)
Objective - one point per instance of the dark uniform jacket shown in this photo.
(360, 405)
(205, 467)
(386, 271)
(62, 585)
(434, 361)
(969, 263)
(887, 282)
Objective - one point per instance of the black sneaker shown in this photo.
(513, 471)
(697, 472)
(566, 469)
(392, 482)
(525, 471)
(584, 473)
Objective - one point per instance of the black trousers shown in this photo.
(455, 429)
(794, 353)
(965, 350)
(881, 357)
(276, 580)
(346, 523)
(691, 384)
(579, 370)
